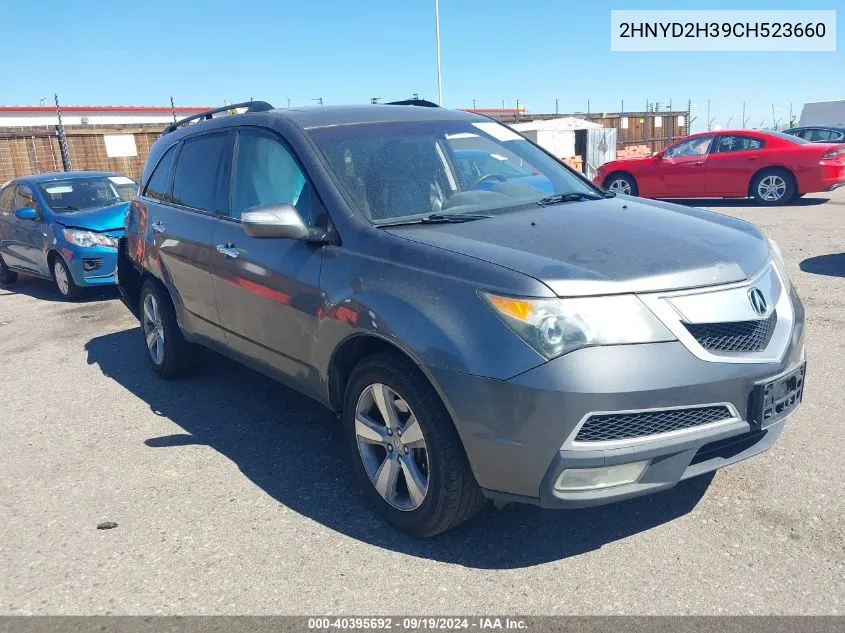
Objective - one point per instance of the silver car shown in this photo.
(528, 338)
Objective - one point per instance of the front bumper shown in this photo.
(91, 266)
(515, 432)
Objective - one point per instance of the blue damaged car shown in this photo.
(63, 226)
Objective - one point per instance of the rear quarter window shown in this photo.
(158, 186)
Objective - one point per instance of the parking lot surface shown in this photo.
(233, 495)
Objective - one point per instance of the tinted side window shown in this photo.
(267, 173)
(25, 198)
(7, 197)
(697, 146)
(201, 180)
(818, 135)
(158, 186)
(738, 144)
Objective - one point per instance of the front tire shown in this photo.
(773, 187)
(7, 275)
(405, 449)
(64, 280)
(622, 183)
(169, 354)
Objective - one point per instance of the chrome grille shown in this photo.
(621, 426)
(735, 336)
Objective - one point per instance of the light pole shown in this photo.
(437, 31)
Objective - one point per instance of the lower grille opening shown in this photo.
(734, 336)
(620, 426)
(90, 264)
(727, 448)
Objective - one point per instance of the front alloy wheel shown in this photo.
(392, 447)
(405, 448)
(64, 281)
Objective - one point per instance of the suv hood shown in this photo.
(109, 218)
(609, 246)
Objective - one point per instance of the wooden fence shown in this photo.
(32, 150)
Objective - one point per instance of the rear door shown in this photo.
(681, 169)
(268, 289)
(732, 162)
(180, 221)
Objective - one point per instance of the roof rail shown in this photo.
(414, 102)
(251, 106)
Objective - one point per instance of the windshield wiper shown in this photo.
(437, 218)
(68, 208)
(558, 198)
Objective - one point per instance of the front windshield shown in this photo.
(89, 192)
(399, 170)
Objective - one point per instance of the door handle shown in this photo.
(158, 227)
(753, 157)
(228, 250)
(700, 162)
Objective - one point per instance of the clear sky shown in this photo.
(208, 51)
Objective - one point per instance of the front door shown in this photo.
(268, 289)
(681, 168)
(32, 234)
(732, 163)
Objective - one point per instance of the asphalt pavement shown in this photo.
(233, 495)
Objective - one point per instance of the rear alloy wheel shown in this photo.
(773, 187)
(64, 280)
(621, 184)
(169, 353)
(7, 276)
(405, 448)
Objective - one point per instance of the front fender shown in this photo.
(438, 320)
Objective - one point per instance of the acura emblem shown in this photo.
(758, 301)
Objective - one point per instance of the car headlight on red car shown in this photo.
(87, 239)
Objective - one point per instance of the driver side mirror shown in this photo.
(26, 213)
(660, 154)
(279, 221)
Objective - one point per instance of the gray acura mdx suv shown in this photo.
(496, 328)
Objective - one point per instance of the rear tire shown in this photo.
(165, 347)
(64, 280)
(427, 486)
(773, 187)
(7, 275)
(622, 183)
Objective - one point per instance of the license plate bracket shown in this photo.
(774, 398)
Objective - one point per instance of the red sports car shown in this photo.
(770, 166)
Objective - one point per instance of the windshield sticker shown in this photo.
(121, 180)
(498, 157)
(497, 131)
(58, 189)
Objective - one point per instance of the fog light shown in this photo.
(576, 479)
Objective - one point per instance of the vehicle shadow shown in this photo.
(743, 202)
(832, 265)
(45, 290)
(294, 450)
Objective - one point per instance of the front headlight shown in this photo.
(557, 326)
(89, 238)
(780, 264)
